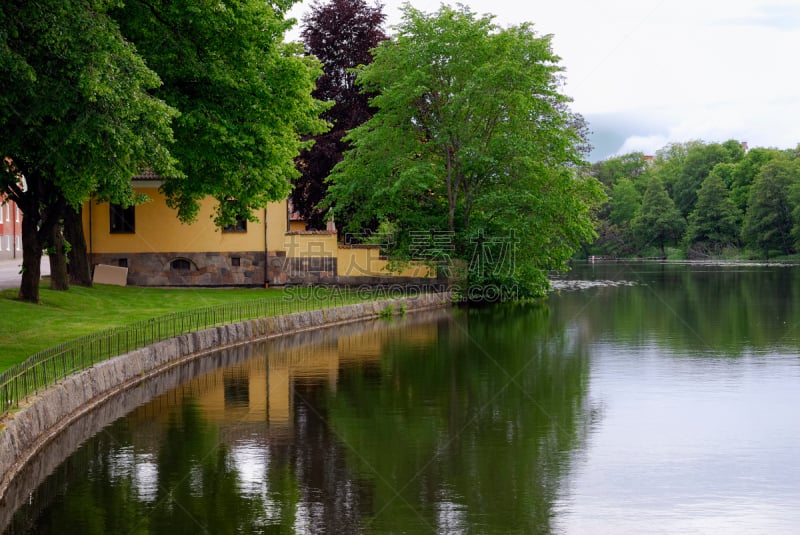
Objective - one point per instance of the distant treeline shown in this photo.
(708, 200)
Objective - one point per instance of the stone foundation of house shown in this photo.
(309, 270)
(245, 268)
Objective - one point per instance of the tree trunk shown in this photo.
(42, 212)
(31, 259)
(58, 259)
(79, 270)
(452, 191)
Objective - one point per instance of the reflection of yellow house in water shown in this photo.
(158, 250)
(257, 397)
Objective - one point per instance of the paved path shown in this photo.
(9, 271)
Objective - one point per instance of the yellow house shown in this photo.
(157, 249)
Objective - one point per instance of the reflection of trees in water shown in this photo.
(61, 474)
(729, 309)
(475, 431)
(333, 498)
(468, 424)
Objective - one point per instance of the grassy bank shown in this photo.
(61, 316)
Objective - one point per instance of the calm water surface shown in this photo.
(650, 399)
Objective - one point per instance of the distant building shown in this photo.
(10, 219)
(10, 230)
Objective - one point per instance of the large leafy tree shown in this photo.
(471, 137)
(745, 173)
(614, 226)
(630, 166)
(699, 160)
(625, 178)
(670, 161)
(625, 202)
(715, 221)
(340, 33)
(659, 221)
(244, 97)
(78, 117)
(768, 222)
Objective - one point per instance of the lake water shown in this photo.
(646, 398)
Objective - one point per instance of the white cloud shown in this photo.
(644, 144)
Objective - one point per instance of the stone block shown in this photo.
(105, 274)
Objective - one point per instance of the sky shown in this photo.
(646, 73)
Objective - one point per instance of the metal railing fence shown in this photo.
(45, 368)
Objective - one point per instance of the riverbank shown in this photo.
(41, 419)
(26, 329)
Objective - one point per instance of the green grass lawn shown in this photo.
(61, 316)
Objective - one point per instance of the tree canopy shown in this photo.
(658, 221)
(625, 202)
(244, 98)
(471, 138)
(340, 33)
(78, 116)
(609, 171)
(715, 220)
(768, 223)
(716, 182)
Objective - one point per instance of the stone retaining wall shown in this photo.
(28, 429)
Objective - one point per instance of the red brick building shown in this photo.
(10, 230)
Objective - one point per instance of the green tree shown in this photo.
(78, 117)
(659, 221)
(715, 220)
(700, 159)
(669, 162)
(794, 201)
(625, 202)
(472, 137)
(611, 170)
(768, 222)
(745, 173)
(616, 237)
(625, 178)
(244, 97)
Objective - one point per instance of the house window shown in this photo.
(236, 261)
(239, 226)
(123, 220)
(122, 262)
(180, 264)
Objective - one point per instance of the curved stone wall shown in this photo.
(28, 429)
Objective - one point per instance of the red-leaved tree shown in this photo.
(340, 33)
